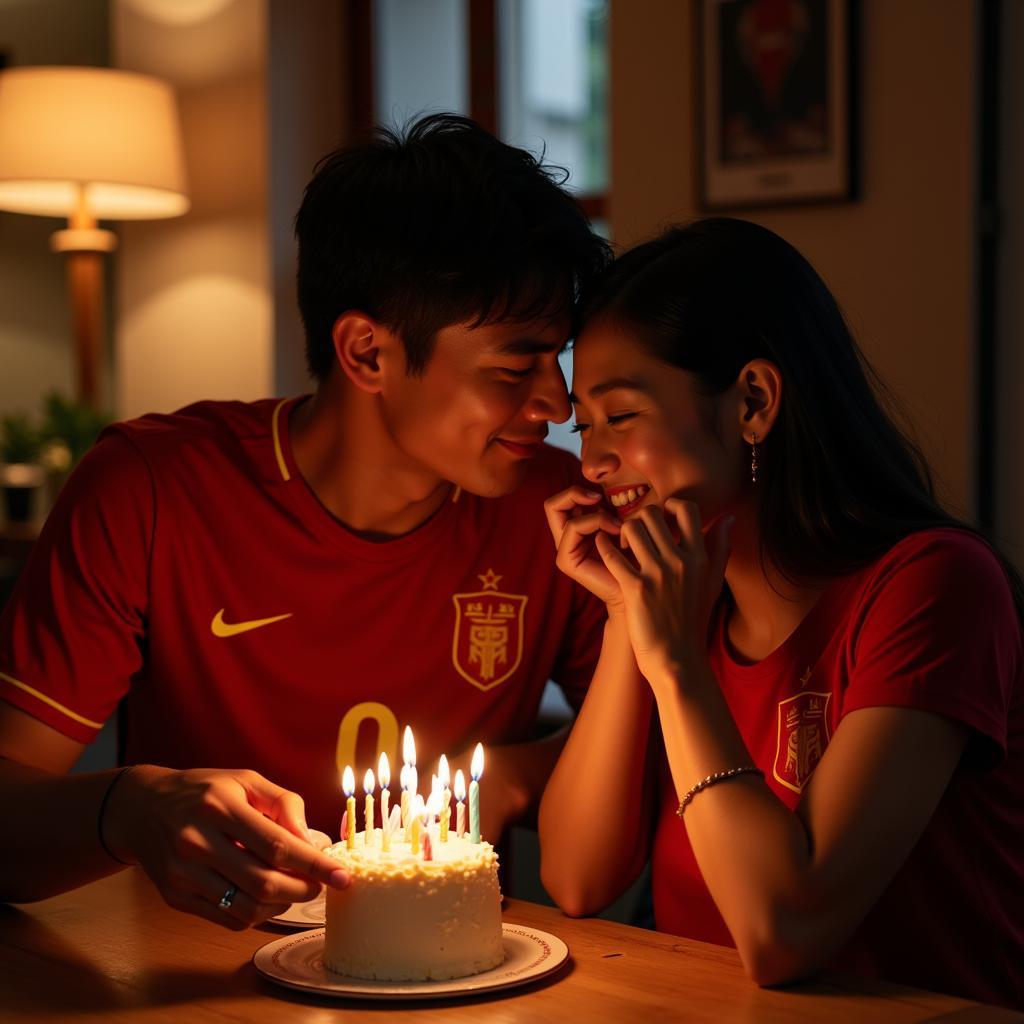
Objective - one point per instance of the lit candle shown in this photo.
(476, 769)
(460, 805)
(384, 775)
(403, 777)
(348, 783)
(368, 787)
(409, 757)
(416, 811)
(444, 775)
(391, 826)
(433, 810)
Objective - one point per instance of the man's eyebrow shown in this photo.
(528, 347)
(611, 385)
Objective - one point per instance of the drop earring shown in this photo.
(753, 458)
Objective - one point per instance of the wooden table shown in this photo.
(113, 951)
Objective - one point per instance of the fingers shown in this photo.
(200, 890)
(281, 805)
(615, 561)
(687, 516)
(279, 849)
(560, 508)
(263, 884)
(653, 518)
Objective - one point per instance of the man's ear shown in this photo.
(760, 398)
(357, 348)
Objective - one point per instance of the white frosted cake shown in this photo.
(405, 918)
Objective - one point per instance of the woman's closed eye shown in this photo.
(620, 417)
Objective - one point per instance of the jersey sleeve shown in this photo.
(939, 632)
(71, 636)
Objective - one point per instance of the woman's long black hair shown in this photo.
(841, 484)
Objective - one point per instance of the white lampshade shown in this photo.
(111, 137)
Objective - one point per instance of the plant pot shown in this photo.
(20, 482)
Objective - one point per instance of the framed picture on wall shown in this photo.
(777, 101)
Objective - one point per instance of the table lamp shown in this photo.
(89, 144)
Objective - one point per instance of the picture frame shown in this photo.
(777, 102)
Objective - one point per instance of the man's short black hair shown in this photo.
(437, 224)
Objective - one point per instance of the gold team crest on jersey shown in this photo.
(488, 643)
(803, 735)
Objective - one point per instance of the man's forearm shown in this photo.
(51, 821)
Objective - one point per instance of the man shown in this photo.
(283, 585)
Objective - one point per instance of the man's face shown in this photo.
(480, 409)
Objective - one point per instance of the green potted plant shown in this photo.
(68, 431)
(21, 475)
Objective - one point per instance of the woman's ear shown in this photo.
(760, 397)
(357, 342)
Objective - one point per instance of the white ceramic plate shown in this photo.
(297, 962)
(304, 915)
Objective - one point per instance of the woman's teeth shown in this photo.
(621, 498)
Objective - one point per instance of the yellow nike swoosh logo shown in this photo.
(218, 627)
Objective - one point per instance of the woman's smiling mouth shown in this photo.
(626, 499)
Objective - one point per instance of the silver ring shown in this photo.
(228, 898)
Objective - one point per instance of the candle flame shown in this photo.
(369, 783)
(348, 781)
(403, 776)
(409, 747)
(443, 772)
(460, 785)
(476, 768)
(433, 806)
(384, 771)
(412, 779)
(418, 808)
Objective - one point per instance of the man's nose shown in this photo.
(550, 397)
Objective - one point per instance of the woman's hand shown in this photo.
(576, 518)
(668, 595)
(200, 833)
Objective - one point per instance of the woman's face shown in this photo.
(647, 434)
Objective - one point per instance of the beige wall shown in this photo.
(900, 260)
(193, 298)
(207, 302)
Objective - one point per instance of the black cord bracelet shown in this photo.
(99, 817)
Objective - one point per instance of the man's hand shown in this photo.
(205, 835)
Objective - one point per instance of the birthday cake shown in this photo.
(414, 914)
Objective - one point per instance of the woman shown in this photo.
(833, 662)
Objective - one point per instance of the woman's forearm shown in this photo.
(593, 822)
(51, 824)
(753, 852)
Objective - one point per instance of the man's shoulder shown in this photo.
(207, 421)
(207, 429)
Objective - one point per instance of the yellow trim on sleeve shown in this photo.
(278, 451)
(49, 700)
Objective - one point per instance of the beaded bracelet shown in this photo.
(103, 806)
(732, 773)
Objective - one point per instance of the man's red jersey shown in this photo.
(189, 571)
(932, 626)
